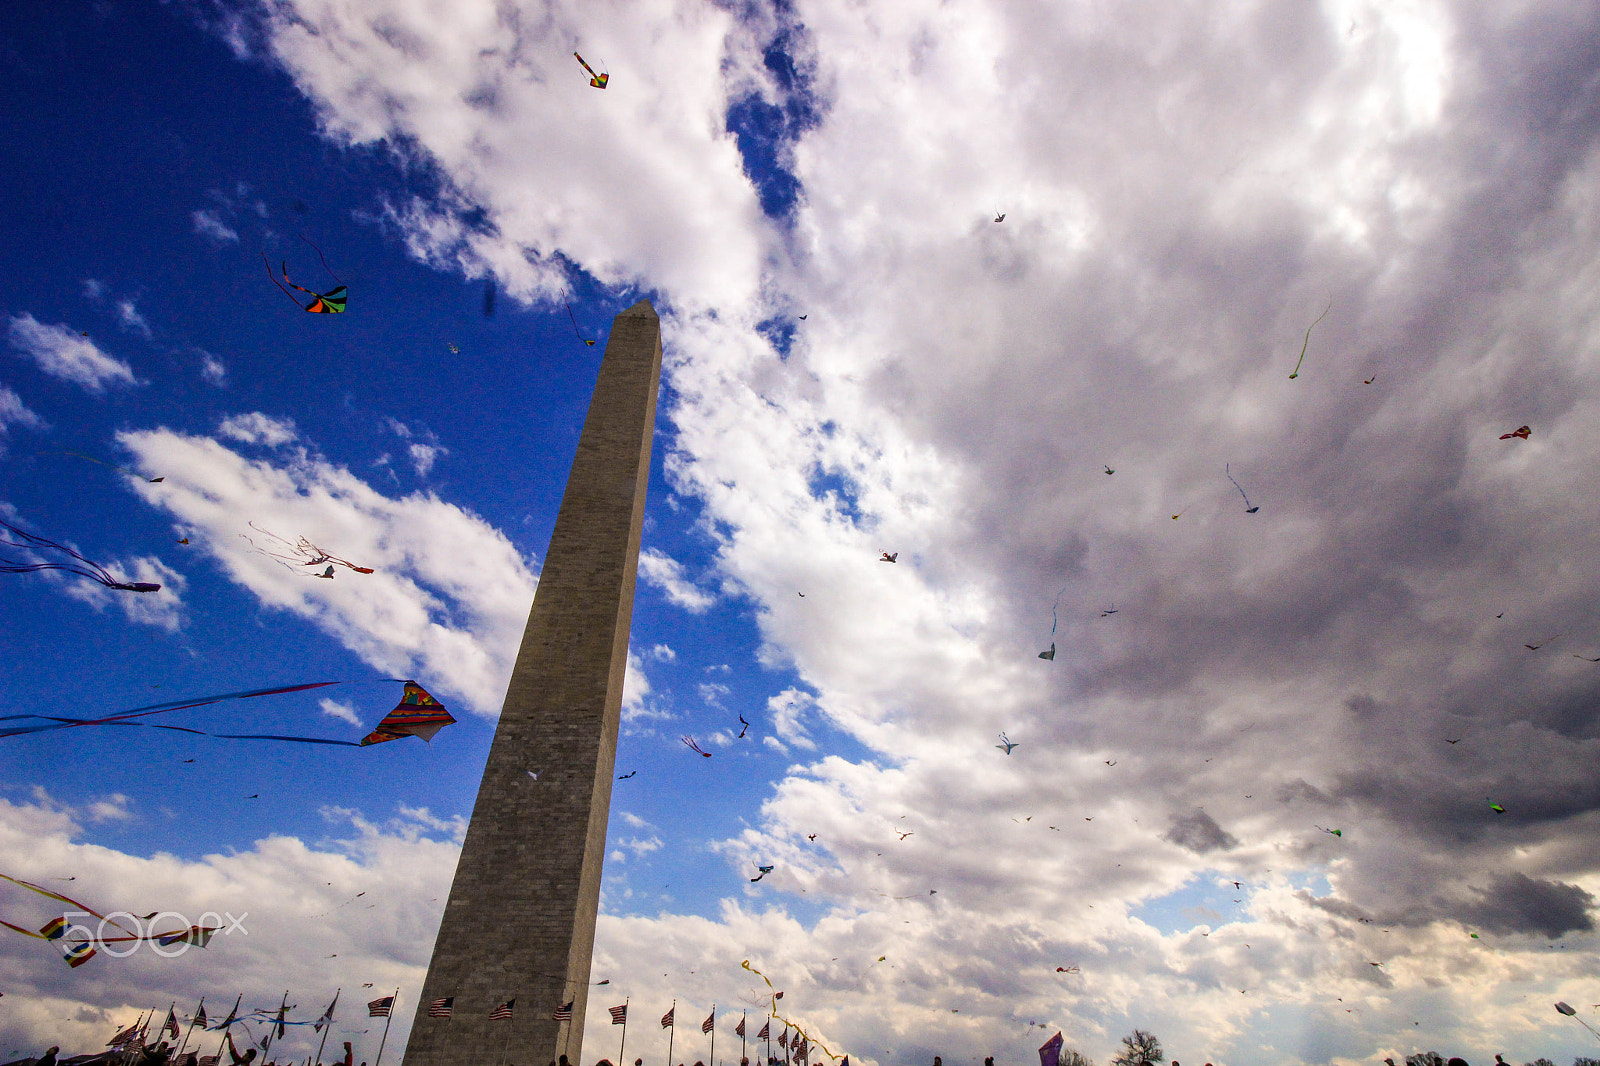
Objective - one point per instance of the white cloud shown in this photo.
(62, 353)
(636, 702)
(667, 574)
(95, 290)
(1179, 228)
(113, 808)
(661, 653)
(130, 319)
(423, 457)
(213, 370)
(13, 412)
(342, 711)
(209, 225)
(257, 428)
(449, 597)
(291, 919)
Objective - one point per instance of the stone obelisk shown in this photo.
(519, 924)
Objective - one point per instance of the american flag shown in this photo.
(738, 1030)
(502, 1013)
(803, 1051)
(710, 1023)
(207, 1060)
(783, 1038)
(766, 1032)
(123, 1036)
(380, 1008)
(619, 1015)
(564, 1012)
(171, 1025)
(666, 1019)
(440, 1008)
(200, 1015)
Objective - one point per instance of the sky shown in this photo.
(1216, 410)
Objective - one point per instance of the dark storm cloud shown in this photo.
(1516, 903)
(1199, 833)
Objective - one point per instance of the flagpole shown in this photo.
(713, 1034)
(742, 1020)
(386, 1022)
(189, 1031)
(672, 1030)
(227, 1027)
(327, 1027)
(620, 1060)
(768, 1028)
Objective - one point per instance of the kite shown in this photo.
(1333, 832)
(1006, 744)
(114, 466)
(1180, 514)
(1493, 806)
(1520, 431)
(79, 951)
(1369, 381)
(907, 833)
(1307, 342)
(454, 350)
(694, 747)
(574, 318)
(1457, 740)
(1109, 471)
(1585, 658)
(773, 1011)
(998, 217)
(303, 553)
(627, 775)
(82, 567)
(323, 303)
(743, 731)
(1049, 655)
(1107, 612)
(802, 318)
(1542, 643)
(597, 80)
(417, 714)
(765, 870)
(887, 558)
(1066, 969)
(1226, 469)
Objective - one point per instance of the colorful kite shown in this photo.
(1333, 832)
(597, 80)
(82, 567)
(1227, 469)
(323, 303)
(1307, 341)
(417, 714)
(302, 553)
(744, 730)
(695, 747)
(575, 329)
(765, 870)
(78, 950)
(1521, 431)
(1006, 744)
(887, 558)
(1493, 806)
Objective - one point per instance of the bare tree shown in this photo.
(1074, 1057)
(1139, 1048)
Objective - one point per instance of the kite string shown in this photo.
(1229, 472)
(773, 1010)
(1053, 607)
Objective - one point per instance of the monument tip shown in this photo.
(643, 307)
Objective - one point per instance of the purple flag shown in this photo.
(1050, 1054)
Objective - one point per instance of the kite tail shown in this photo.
(325, 265)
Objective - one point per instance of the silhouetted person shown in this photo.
(565, 1062)
(48, 1058)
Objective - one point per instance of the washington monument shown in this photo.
(519, 925)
